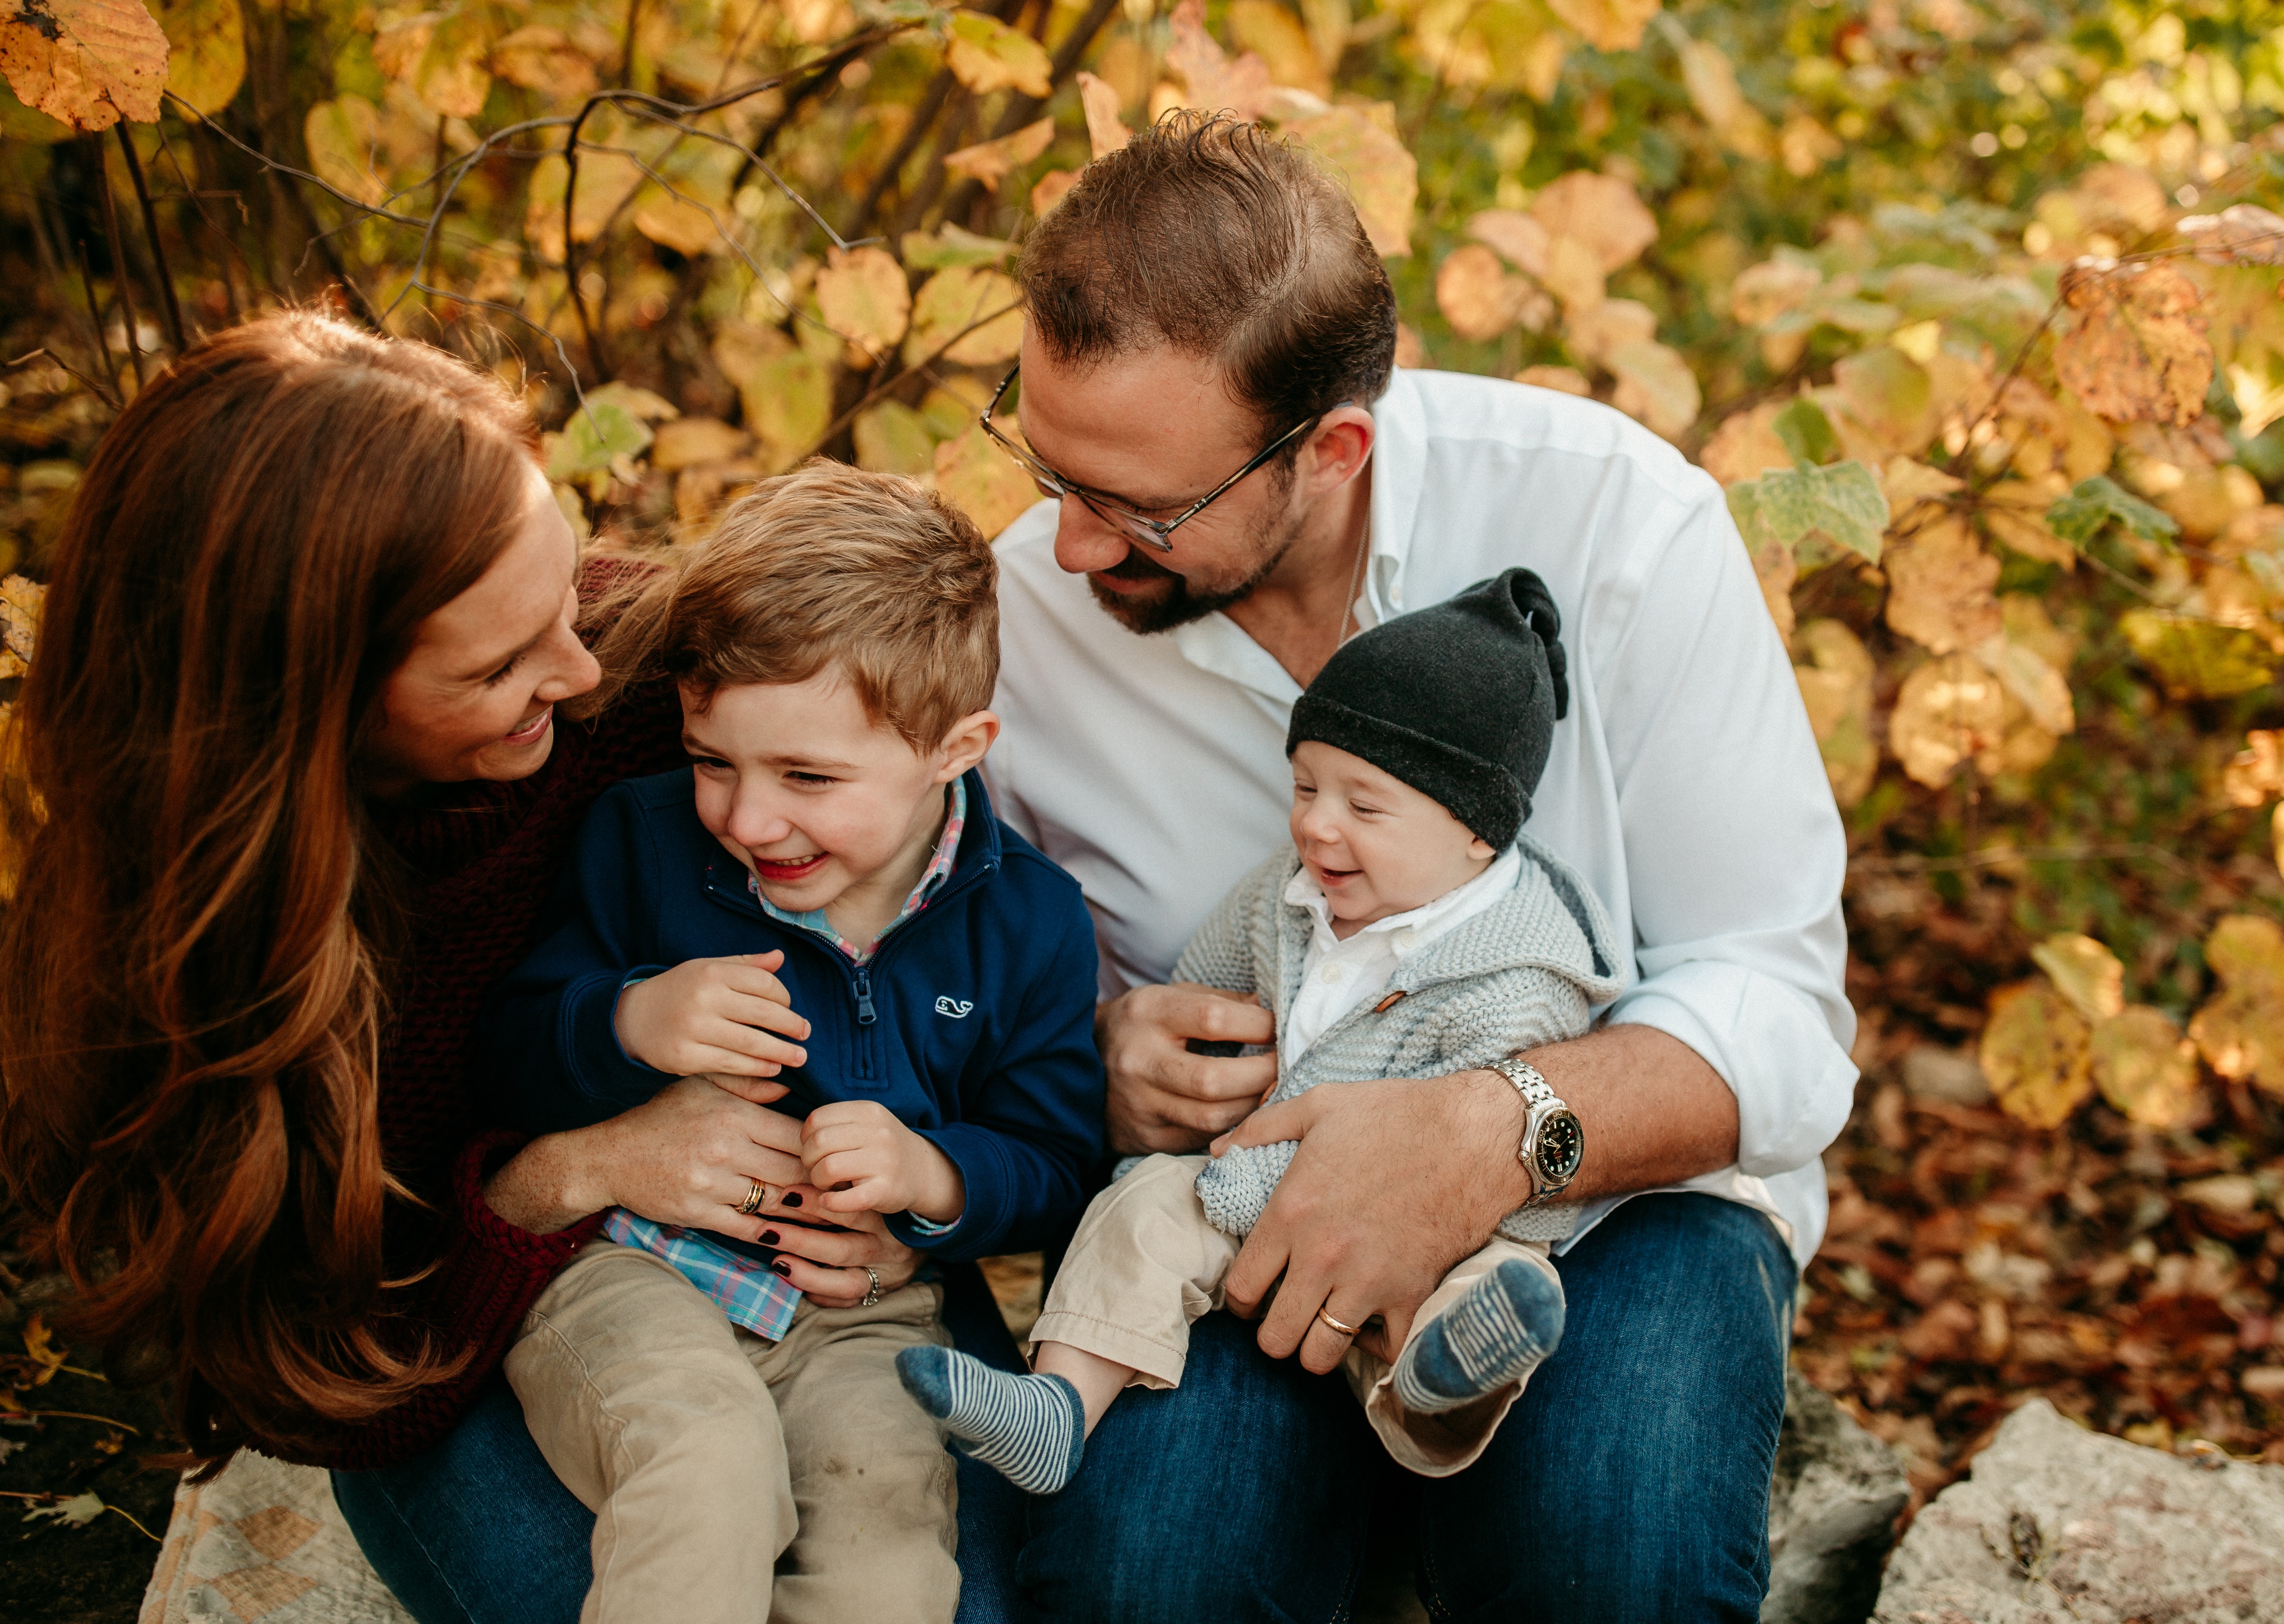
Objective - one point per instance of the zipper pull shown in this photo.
(865, 1014)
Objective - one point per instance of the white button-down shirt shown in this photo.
(1684, 785)
(1336, 975)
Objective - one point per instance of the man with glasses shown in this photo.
(1238, 482)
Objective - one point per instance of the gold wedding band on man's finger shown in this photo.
(1335, 1326)
(756, 1199)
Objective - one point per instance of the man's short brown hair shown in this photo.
(831, 566)
(1210, 235)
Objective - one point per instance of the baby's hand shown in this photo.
(865, 1161)
(713, 1015)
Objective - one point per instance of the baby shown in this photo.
(1412, 932)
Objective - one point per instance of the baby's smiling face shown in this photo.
(1377, 846)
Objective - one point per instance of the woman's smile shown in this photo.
(531, 732)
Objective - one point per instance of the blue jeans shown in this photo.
(1630, 1483)
(479, 1530)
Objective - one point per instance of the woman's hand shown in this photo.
(828, 1265)
(690, 1155)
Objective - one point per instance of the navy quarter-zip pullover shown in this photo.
(973, 1023)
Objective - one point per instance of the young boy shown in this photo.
(825, 896)
(1412, 932)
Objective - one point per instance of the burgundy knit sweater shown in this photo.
(485, 862)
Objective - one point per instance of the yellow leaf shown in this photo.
(1215, 83)
(2083, 972)
(40, 1346)
(1050, 190)
(1573, 273)
(1776, 567)
(788, 403)
(206, 42)
(2138, 351)
(2014, 512)
(1773, 288)
(1836, 688)
(982, 481)
(892, 439)
(989, 161)
(1606, 25)
(1940, 586)
(1381, 175)
(986, 55)
(2255, 775)
(1567, 380)
(2240, 1029)
(1517, 236)
(89, 63)
(1599, 211)
(862, 294)
(1655, 385)
(1948, 710)
(1712, 86)
(2037, 687)
(2144, 1068)
(2198, 659)
(1269, 31)
(1478, 295)
(1746, 446)
(675, 223)
(692, 441)
(1594, 330)
(1889, 395)
(1105, 131)
(340, 135)
(2035, 1055)
(539, 58)
(20, 600)
(958, 298)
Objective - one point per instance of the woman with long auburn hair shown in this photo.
(297, 766)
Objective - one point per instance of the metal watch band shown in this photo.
(1536, 1094)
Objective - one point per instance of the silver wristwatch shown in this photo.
(1554, 1143)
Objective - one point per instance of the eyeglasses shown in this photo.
(1156, 533)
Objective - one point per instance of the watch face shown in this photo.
(1561, 1144)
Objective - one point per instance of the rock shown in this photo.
(1953, 1075)
(2062, 1525)
(1832, 1512)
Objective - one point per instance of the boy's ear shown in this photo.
(971, 738)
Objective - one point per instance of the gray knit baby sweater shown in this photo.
(1524, 971)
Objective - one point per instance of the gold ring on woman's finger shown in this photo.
(1335, 1325)
(873, 1294)
(756, 1199)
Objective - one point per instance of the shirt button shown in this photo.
(1329, 973)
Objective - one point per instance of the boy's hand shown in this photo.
(865, 1161)
(713, 1015)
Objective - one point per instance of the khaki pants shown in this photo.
(735, 1480)
(1146, 1263)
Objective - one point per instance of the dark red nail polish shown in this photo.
(769, 1238)
(792, 1200)
(781, 1266)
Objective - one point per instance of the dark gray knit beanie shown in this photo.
(1459, 701)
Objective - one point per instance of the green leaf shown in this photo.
(1842, 501)
(953, 245)
(2080, 516)
(1807, 433)
(2198, 659)
(986, 55)
(597, 431)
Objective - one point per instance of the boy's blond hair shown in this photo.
(831, 566)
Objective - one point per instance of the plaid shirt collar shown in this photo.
(931, 880)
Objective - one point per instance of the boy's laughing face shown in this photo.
(815, 800)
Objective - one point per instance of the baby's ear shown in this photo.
(1480, 850)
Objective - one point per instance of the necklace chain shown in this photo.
(1356, 584)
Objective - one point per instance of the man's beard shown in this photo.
(1176, 602)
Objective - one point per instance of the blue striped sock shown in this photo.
(1031, 1429)
(1500, 1330)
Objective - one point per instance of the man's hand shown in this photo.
(1395, 1181)
(718, 1015)
(1162, 1098)
(866, 1161)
